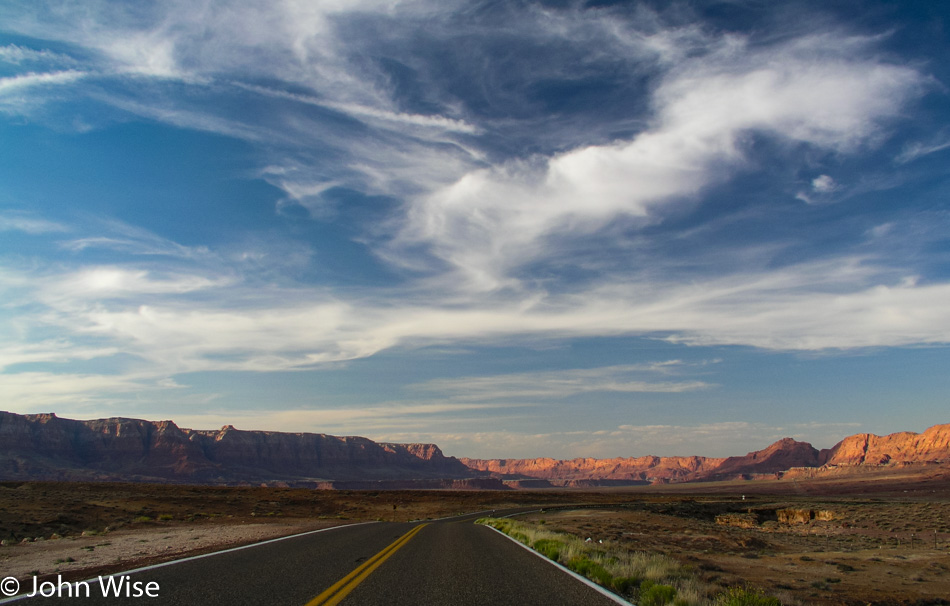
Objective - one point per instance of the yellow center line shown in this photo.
(344, 586)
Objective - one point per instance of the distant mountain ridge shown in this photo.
(860, 450)
(47, 447)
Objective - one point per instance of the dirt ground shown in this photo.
(867, 551)
(873, 546)
(81, 530)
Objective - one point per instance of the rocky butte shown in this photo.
(47, 447)
(775, 461)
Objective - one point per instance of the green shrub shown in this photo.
(549, 548)
(745, 596)
(655, 594)
(592, 570)
(623, 585)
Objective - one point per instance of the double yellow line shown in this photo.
(339, 590)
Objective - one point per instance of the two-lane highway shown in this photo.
(446, 562)
(462, 563)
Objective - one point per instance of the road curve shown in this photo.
(447, 562)
(464, 564)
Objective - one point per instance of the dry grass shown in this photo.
(644, 578)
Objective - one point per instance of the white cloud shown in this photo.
(561, 383)
(492, 221)
(57, 351)
(823, 184)
(16, 84)
(197, 120)
(124, 238)
(438, 122)
(180, 323)
(370, 113)
(919, 149)
(193, 311)
(362, 420)
(29, 224)
(15, 54)
(30, 391)
(108, 281)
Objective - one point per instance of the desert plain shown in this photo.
(877, 538)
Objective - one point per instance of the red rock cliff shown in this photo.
(862, 449)
(904, 447)
(634, 468)
(46, 447)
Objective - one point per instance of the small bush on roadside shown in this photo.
(624, 585)
(745, 596)
(655, 594)
(549, 548)
(592, 570)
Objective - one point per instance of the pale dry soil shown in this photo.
(864, 555)
(81, 530)
(83, 556)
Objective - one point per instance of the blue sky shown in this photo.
(514, 229)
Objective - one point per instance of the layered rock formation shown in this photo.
(568, 472)
(46, 447)
(904, 447)
(780, 456)
(863, 450)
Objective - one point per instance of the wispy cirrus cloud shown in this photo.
(365, 112)
(562, 383)
(190, 322)
(28, 223)
(16, 54)
(17, 92)
(365, 420)
(918, 149)
(18, 83)
(27, 391)
(128, 239)
(518, 173)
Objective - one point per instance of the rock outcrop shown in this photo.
(46, 447)
(780, 456)
(864, 450)
(634, 469)
(904, 447)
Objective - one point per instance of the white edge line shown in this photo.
(24, 596)
(563, 568)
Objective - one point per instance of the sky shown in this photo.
(514, 229)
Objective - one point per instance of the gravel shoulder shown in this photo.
(81, 557)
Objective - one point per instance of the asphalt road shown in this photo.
(446, 562)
